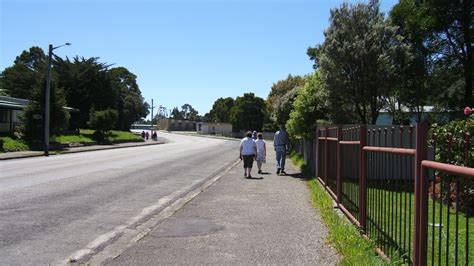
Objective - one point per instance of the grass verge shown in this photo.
(11, 145)
(63, 139)
(342, 234)
(112, 135)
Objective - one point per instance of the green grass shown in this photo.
(73, 139)
(342, 234)
(123, 135)
(404, 218)
(11, 145)
(113, 135)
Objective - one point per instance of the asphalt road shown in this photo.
(53, 208)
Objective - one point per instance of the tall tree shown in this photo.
(356, 60)
(27, 79)
(309, 106)
(131, 105)
(220, 111)
(277, 92)
(176, 114)
(188, 112)
(248, 113)
(87, 84)
(441, 31)
(20, 79)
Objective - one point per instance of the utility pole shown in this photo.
(47, 96)
(152, 107)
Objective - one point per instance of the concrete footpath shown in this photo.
(265, 220)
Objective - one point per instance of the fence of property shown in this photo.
(387, 181)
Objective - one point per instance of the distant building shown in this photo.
(209, 128)
(171, 124)
(385, 119)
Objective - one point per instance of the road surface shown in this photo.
(53, 208)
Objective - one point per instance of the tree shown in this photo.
(357, 61)
(86, 84)
(28, 69)
(131, 105)
(248, 113)
(277, 92)
(309, 106)
(176, 114)
(27, 79)
(188, 112)
(441, 33)
(283, 106)
(220, 111)
(104, 120)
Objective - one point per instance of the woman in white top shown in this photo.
(248, 151)
(261, 152)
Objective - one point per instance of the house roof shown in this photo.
(13, 103)
(20, 104)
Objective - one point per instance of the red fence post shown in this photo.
(326, 155)
(339, 166)
(421, 198)
(363, 179)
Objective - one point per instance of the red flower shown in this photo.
(467, 110)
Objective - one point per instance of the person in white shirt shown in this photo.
(261, 152)
(248, 151)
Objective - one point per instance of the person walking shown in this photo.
(261, 151)
(254, 135)
(280, 140)
(248, 151)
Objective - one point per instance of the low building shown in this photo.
(171, 124)
(12, 108)
(209, 128)
(10, 111)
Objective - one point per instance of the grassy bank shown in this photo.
(85, 136)
(11, 145)
(342, 234)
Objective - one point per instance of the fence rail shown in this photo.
(387, 182)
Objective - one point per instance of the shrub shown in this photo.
(103, 120)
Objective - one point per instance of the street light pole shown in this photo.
(47, 97)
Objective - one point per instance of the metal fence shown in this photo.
(386, 181)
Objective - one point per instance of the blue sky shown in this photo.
(182, 51)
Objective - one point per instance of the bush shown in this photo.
(103, 120)
(458, 132)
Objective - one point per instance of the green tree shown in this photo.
(357, 61)
(441, 33)
(188, 112)
(176, 114)
(131, 105)
(103, 120)
(220, 111)
(86, 84)
(248, 113)
(279, 105)
(23, 76)
(27, 79)
(309, 106)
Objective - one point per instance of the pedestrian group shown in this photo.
(253, 147)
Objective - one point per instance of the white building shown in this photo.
(209, 128)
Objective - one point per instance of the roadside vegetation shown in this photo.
(343, 236)
(12, 144)
(9, 144)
